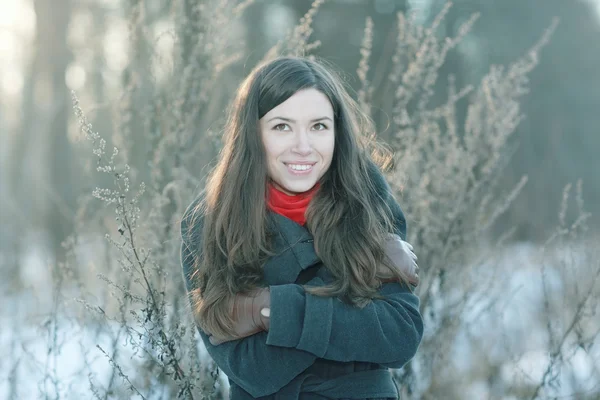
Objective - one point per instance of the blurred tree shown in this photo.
(20, 163)
(41, 148)
(53, 17)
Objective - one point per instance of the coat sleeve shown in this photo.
(256, 367)
(386, 332)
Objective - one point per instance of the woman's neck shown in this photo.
(292, 206)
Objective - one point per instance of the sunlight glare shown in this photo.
(12, 80)
(9, 48)
(116, 45)
(75, 76)
(17, 28)
(18, 16)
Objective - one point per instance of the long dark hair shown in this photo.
(347, 216)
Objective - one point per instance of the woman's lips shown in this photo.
(300, 172)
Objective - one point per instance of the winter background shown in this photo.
(110, 114)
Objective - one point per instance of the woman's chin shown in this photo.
(298, 187)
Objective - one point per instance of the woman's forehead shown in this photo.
(304, 105)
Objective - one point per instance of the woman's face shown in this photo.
(298, 136)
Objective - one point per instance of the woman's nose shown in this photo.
(302, 145)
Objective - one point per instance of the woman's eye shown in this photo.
(280, 127)
(323, 126)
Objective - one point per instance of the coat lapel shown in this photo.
(294, 248)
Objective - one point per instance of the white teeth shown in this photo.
(299, 167)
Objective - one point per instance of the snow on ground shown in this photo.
(514, 324)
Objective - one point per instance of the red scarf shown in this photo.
(292, 207)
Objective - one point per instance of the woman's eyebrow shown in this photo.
(292, 120)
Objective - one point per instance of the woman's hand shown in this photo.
(402, 255)
(250, 314)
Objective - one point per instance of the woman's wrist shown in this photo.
(261, 308)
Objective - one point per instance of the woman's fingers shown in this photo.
(410, 249)
(404, 258)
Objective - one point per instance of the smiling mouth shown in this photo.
(299, 168)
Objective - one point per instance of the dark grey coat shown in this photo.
(316, 347)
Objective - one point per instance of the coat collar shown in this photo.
(295, 251)
(290, 230)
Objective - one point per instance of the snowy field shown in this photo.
(510, 333)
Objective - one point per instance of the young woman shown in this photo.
(294, 257)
